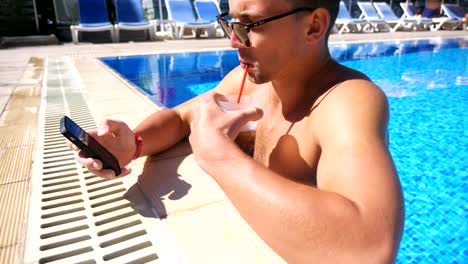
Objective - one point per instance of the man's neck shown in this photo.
(299, 88)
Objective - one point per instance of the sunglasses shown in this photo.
(242, 29)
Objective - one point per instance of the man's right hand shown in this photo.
(118, 139)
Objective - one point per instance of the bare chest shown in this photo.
(288, 149)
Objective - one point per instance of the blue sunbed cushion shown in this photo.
(207, 11)
(129, 11)
(182, 11)
(93, 13)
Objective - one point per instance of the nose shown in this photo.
(235, 42)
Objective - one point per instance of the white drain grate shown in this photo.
(75, 216)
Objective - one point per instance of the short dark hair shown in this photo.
(331, 5)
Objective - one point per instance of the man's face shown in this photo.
(273, 45)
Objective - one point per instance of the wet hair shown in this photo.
(331, 5)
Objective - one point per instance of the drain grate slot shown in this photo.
(96, 182)
(113, 209)
(65, 242)
(59, 171)
(53, 144)
(61, 196)
(127, 251)
(64, 231)
(57, 155)
(65, 255)
(59, 183)
(113, 200)
(61, 189)
(62, 151)
(145, 259)
(119, 227)
(107, 194)
(60, 177)
(64, 221)
(60, 165)
(122, 239)
(58, 159)
(115, 218)
(104, 187)
(62, 204)
(69, 211)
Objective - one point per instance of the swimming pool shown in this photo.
(426, 82)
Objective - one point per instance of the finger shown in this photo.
(125, 171)
(220, 97)
(88, 162)
(110, 174)
(71, 145)
(249, 114)
(107, 174)
(74, 147)
(108, 127)
(209, 102)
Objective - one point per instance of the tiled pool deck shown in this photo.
(202, 222)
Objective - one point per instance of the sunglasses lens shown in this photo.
(225, 27)
(242, 34)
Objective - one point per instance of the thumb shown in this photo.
(108, 126)
(249, 114)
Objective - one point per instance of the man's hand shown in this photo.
(118, 139)
(213, 131)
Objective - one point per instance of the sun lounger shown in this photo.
(409, 12)
(93, 18)
(130, 17)
(452, 19)
(207, 10)
(386, 13)
(369, 13)
(181, 13)
(346, 23)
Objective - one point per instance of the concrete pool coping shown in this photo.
(201, 215)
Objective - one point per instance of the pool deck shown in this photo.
(204, 224)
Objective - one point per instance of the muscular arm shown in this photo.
(353, 216)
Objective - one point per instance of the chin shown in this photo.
(258, 78)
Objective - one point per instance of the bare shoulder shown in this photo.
(353, 109)
(357, 93)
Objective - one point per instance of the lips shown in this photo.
(243, 61)
(244, 65)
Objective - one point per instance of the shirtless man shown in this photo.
(322, 186)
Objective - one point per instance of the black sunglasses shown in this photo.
(242, 29)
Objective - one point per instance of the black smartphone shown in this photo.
(88, 144)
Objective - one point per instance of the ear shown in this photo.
(317, 25)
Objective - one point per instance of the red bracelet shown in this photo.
(139, 146)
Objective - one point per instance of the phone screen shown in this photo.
(88, 144)
(78, 132)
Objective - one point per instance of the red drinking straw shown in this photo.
(243, 81)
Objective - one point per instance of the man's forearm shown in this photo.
(301, 223)
(161, 130)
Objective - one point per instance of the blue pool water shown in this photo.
(426, 82)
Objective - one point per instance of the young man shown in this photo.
(322, 186)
